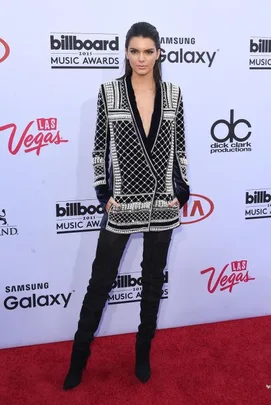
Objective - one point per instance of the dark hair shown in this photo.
(145, 30)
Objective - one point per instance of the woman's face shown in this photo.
(142, 55)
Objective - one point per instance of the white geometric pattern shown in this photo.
(141, 186)
(100, 142)
(135, 172)
(180, 139)
(162, 156)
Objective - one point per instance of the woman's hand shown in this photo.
(173, 203)
(110, 202)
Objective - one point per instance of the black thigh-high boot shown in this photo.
(155, 252)
(104, 271)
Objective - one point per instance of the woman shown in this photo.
(139, 164)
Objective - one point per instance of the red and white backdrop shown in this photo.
(53, 57)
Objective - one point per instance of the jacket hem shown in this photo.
(151, 228)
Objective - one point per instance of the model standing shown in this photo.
(139, 161)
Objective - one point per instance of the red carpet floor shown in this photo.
(213, 364)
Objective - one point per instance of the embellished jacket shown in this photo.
(142, 173)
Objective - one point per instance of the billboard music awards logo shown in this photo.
(128, 288)
(4, 50)
(258, 204)
(230, 136)
(230, 276)
(5, 228)
(36, 135)
(27, 296)
(84, 51)
(260, 53)
(78, 216)
(196, 209)
(186, 51)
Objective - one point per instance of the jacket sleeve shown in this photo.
(180, 182)
(100, 154)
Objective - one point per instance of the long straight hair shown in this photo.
(145, 30)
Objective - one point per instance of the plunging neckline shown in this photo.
(155, 118)
(140, 117)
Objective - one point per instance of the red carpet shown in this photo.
(214, 364)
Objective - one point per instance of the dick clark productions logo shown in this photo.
(230, 276)
(230, 136)
(34, 137)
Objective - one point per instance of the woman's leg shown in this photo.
(155, 251)
(109, 252)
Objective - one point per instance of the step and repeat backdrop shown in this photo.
(53, 58)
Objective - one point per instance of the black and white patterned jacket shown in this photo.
(142, 173)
